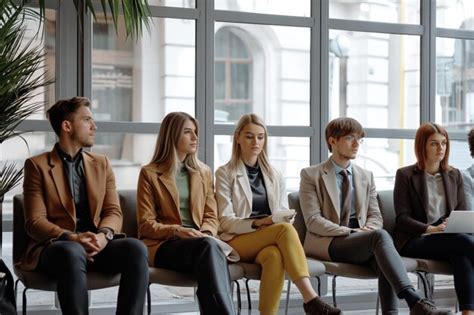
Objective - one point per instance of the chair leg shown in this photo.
(15, 290)
(24, 301)
(148, 299)
(334, 302)
(239, 300)
(287, 296)
(248, 294)
(319, 285)
(424, 283)
(377, 304)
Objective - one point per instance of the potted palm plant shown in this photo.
(21, 67)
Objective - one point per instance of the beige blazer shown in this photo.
(49, 207)
(158, 212)
(320, 204)
(234, 199)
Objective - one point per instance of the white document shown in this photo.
(283, 216)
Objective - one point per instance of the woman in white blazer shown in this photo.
(248, 186)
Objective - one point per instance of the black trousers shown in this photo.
(203, 258)
(376, 250)
(458, 250)
(66, 262)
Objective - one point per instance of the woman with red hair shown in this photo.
(425, 194)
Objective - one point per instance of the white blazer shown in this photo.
(234, 199)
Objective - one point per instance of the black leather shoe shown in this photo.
(318, 307)
(426, 307)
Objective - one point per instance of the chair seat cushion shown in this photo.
(40, 281)
(349, 270)
(434, 266)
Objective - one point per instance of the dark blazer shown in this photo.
(158, 213)
(49, 207)
(411, 201)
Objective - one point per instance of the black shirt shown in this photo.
(259, 192)
(74, 169)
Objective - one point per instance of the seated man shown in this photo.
(344, 223)
(468, 175)
(73, 216)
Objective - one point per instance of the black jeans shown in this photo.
(203, 258)
(376, 250)
(458, 250)
(66, 262)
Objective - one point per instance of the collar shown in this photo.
(66, 157)
(338, 169)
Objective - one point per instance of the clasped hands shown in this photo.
(93, 243)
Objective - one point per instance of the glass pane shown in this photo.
(383, 157)
(268, 76)
(44, 37)
(174, 3)
(375, 78)
(240, 76)
(459, 155)
(219, 73)
(455, 14)
(143, 80)
(454, 83)
(392, 11)
(283, 7)
(287, 154)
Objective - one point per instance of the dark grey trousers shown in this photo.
(375, 249)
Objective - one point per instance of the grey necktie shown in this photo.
(346, 198)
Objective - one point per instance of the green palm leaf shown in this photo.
(10, 177)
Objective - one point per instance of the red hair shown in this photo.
(421, 138)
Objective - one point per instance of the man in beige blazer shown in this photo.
(73, 217)
(343, 220)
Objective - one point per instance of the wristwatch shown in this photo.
(108, 233)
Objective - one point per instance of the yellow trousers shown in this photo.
(277, 249)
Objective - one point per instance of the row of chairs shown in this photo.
(246, 271)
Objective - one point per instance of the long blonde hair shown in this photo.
(236, 158)
(167, 140)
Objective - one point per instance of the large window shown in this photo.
(297, 64)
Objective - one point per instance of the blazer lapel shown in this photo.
(94, 183)
(329, 179)
(448, 191)
(170, 183)
(419, 183)
(360, 183)
(244, 184)
(62, 186)
(271, 193)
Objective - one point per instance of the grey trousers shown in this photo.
(375, 249)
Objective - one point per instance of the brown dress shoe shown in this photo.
(318, 307)
(426, 307)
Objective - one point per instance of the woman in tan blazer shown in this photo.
(425, 194)
(249, 186)
(176, 212)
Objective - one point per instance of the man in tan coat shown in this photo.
(73, 217)
(343, 219)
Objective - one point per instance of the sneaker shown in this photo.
(318, 307)
(426, 307)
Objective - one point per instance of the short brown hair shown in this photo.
(470, 140)
(341, 127)
(63, 110)
(421, 138)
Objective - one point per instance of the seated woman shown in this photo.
(249, 186)
(425, 194)
(176, 211)
(468, 174)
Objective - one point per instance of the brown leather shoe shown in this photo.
(426, 307)
(318, 307)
